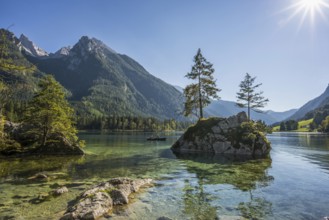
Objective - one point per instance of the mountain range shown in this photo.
(103, 82)
(313, 104)
(224, 108)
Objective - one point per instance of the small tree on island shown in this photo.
(198, 94)
(49, 113)
(248, 97)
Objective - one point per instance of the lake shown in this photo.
(291, 184)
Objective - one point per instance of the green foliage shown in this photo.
(318, 115)
(248, 97)
(201, 128)
(18, 77)
(120, 123)
(325, 124)
(263, 127)
(49, 113)
(290, 125)
(250, 132)
(7, 146)
(11, 60)
(198, 94)
(2, 126)
(247, 133)
(15, 86)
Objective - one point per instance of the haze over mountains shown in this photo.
(313, 104)
(224, 108)
(103, 82)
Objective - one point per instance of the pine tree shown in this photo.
(248, 97)
(198, 94)
(49, 113)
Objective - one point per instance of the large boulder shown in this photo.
(100, 199)
(234, 135)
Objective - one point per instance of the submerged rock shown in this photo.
(100, 199)
(233, 135)
(60, 191)
(38, 176)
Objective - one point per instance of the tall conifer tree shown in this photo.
(50, 114)
(198, 94)
(248, 97)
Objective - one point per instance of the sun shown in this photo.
(308, 9)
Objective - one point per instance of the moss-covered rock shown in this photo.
(234, 135)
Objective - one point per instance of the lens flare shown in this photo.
(308, 9)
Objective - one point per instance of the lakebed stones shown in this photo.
(60, 191)
(101, 198)
(233, 136)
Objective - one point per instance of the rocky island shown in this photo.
(21, 142)
(234, 136)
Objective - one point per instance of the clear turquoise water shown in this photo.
(291, 184)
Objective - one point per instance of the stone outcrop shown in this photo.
(101, 198)
(233, 135)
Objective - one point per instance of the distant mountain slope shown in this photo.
(280, 116)
(311, 105)
(109, 83)
(222, 108)
(228, 108)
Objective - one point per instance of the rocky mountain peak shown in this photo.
(87, 44)
(31, 48)
(64, 51)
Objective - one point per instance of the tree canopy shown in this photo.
(50, 114)
(248, 98)
(198, 94)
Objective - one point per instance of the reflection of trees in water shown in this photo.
(196, 202)
(256, 208)
(24, 167)
(245, 174)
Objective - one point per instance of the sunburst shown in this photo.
(308, 9)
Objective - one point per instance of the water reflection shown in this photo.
(256, 208)
(314, 147)
(291, 184)
(21, 168)
(243, 173)
(197, 201)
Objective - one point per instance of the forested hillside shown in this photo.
(18, 77)
(106, 83)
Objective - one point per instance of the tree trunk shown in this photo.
(248, 111)
(44, 137)
(200, 98)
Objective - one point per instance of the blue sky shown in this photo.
(290, 57)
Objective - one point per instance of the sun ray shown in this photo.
(308, 10)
